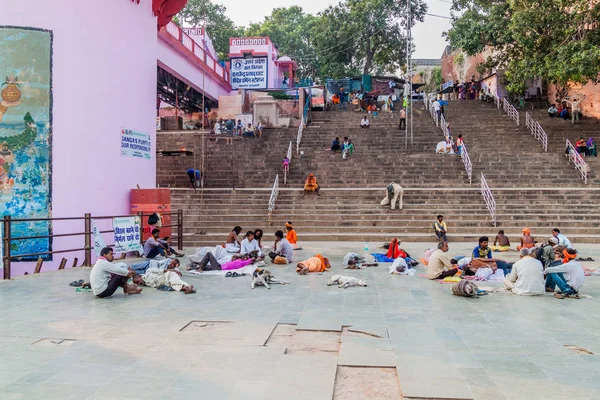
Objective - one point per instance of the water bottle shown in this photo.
(366, 249)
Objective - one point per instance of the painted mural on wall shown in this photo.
(25, 133)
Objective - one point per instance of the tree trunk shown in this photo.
(369, 58)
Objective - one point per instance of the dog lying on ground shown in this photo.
(262, 276)
(346, 281)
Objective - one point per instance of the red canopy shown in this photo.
(165, 10)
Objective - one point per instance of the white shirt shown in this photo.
(217, 128)
(364, 122)
(248, 247)
(527, 277)
(436, 105)
(563, 240)
(100, 274)
(572, 271)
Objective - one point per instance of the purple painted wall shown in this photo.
(104, 79)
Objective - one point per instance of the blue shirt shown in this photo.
(191, 171)
(478, 252)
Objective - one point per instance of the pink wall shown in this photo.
(104, 79)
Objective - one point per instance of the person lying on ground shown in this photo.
(526, 277)
(471, 267)
(501, 242)
(233, 244)
(209, 263)
(356, 261)
(106, 276)
(318, 263)
(283, 250)
(311, 185)
(167, 263)
(568, 277)
(250, 246)
(170, 277)
(527, 241)
(153, 247)
(439, 266)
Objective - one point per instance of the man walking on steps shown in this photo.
(343, 99)
(402, 118)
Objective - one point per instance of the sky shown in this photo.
(427, 35)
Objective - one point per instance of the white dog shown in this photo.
(263, 277)
(346, 281)
(393, 191)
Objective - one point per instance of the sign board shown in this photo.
(158, 123)
(197, 31)
(135, 144)
(127, 234)
(99, 243)
(257, 41)
(447, 85)
(249, 73)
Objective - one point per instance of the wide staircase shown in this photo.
(531, 188)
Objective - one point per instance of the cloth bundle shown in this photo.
(465, 289)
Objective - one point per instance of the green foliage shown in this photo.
(281, 96)
(219, 27)
(435, 80)
(459, 59)
(558, 41)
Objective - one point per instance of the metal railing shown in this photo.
(8, 239)
(304, 120)
(444, 126)
(489, 198)
(286, 170)
(510, 110)
(464, 155)
(537, 131)
(577, 160)
(497, 100)
(273, 198)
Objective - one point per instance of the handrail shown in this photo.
(289, 152)
(577, 160)
(497, 100)
(511, 111)
(444, 126)
(489, 198)
(304, 120)
(464, 154)
(273, 198)
(299, 136)
(289, 158)
(537, 131)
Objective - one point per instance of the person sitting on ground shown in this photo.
(440, 228)
(581, 147)
(564, 114)
(250, 246)
(317, 263)
(291, 236)
(527, 241)
(258, 235)
(169, 277)
(527, 276)
(239, 128)
(545, 253)
(444, 147)
(552, 111)
(311, 185)
(166, 241)
(365, 123)
(350, 147)
(482, 251)
(209, 263)
(234, 244)
(591, 148)
(283, 250)
(106, 276)
(335, 144)
(439, 266)
(153, 246)
(501, 242)
(568, 277)
(194, 176)
(562, 239)
(249, 132)
(568, 255)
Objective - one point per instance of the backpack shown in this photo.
(155, 219)
(540, 251)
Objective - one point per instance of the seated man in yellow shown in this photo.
(311, 185)
(314, 264)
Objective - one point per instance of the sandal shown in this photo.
(228, 275)
(559, 296)
(76, 283)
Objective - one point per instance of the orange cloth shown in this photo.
(526, 246)
(324, 260)
(311, 183)
(568, 257)
(291, 236)
(526, 231)
(314, 264)
(394, 250)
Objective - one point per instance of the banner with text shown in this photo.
(249, 73)
(127, 234)
(135, 144)
(99, 243)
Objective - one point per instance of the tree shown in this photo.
(557, 41)
(291, 30)
(219, 27)
(364, 36)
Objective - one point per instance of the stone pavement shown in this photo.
(230, 342)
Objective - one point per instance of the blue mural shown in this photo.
(25, 135)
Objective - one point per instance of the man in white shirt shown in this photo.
(106, 276)
(217, 128)
(249, 246)
(575, 109)
(170, 277)
(568, 277)
(283, 249)
(364, 123)
(526, 277)
(437, 108)
(562, 239)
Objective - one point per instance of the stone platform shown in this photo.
(295, 341)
